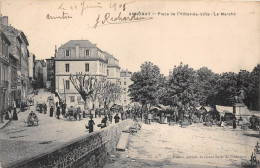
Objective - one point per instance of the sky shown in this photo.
(221, 43)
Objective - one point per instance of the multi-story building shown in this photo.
(73, 57)
(4, 65)
(18, 49)
(50, 83)
(125, 82)
(12, 78)
(40, 73)
(113, 68)
(31, 72)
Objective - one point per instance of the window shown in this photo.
(67, 67)
(124, 82)
(67, 84)
(107, 72)
(72, 98)
(79, 98)
(67, 53)
(87, 53)
(87, 67)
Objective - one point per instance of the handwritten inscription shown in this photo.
(62, 16)
(82, 6)
(108, 19)
(122, 6)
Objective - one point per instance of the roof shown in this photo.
(5, 38)
(42, 62)
(81, 43)
(15, 32)
(10, 29)
(243, 111)
(107, 56)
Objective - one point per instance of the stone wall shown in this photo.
(92, 150)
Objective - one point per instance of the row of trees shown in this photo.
(95, 92)
(187, 88)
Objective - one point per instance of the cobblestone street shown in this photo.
(18, 141)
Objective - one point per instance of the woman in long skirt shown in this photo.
(58, 112)
(51, 111)
(15, 117)
(91, 124)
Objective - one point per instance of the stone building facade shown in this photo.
(125, 82)
(4, 75)
(18, 49)
(50, 83)
(113, 68)
(40, 73)
(73, 57)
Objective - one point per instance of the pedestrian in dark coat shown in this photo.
(40, 106)
(7, 117)
(91, 124)
(117, 118)
(58, 112)
(51, 111)
(45, 108)
(63, 109)
(15, 116)
(234, 123)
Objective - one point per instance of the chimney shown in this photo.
(5, 20)
(55, 51)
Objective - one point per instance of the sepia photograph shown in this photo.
(129, 84)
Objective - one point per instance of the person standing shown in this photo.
(150, 117)
(40, 106)
(63, 112)
(91, 124)
(15, 116)
(117, 118)
(234, 123)
(58, 112)
(45, 108)
(162, 118)
(51, 111)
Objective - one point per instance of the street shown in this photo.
(161, 145)
(18, 141)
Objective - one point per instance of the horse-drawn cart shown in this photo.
(255, 157)
(73, 113)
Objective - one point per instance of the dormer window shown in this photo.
(67, 53)
(87, 52)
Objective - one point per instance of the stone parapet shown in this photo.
(91, 150)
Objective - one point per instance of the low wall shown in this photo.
(91, 150)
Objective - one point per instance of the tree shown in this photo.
(253, 92)
(86, 85)
(147, 84)
(226, 89)
(182, 89)
(207, 82)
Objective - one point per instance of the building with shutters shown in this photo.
(125, 82)
(113, 68)
(73, 57)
